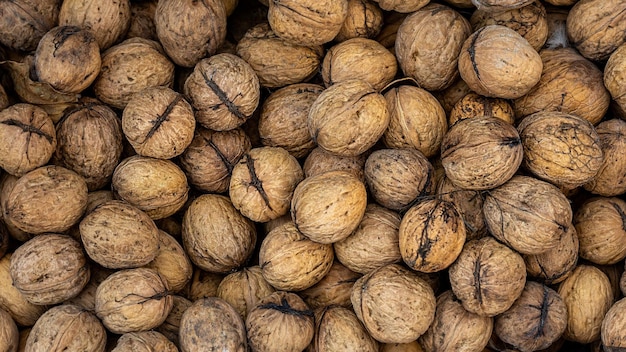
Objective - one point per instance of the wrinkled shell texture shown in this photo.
(363, 20)
(451, 95)
(204, 284)
(600, 225)
(190, 30)
(403, 6)
(560, 148)
(417, 120)
(224, 91)
(339, 329)
(133, 300)
(615, 77)
(468, 203)
(556, 264)
(23, 312)
(158, 122)
(108, 22)
(244, 289)
(144, 341)
(611, 177)
(428, 45)
(334, 289)
(496, 61)
(474, 105)
(9, 335)
(613, 327)
(142, 20)
(481, 153)
(28, 138)
(500, 5)
(172, 262)
(26, 22)
(487, 277)
(320, 161)
(171, 325)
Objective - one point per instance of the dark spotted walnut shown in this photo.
(24, 22)
(107, 21)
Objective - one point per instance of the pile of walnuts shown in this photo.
(312, 175)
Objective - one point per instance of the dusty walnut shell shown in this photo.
(433, 66)
(280, 322)
(474, 105)
(349, 103)
(560, 148)
(470, 332)
(118, 235)
(535, 321)
(363, 20)
(320, 161)
(216, 236)
(401, 5)
(615, 76)
(144, 340)
(611, 178)
(29, 138)
(556, 264)
(25, 22)
(613, 327)
(394, 304)
(339, 329)
(133, 300)
(171, 325)
(487, 277)
(496, 61)
(244, 288)
(468, 203)
(211, 324)
(9, 335)
(108, 22)
(328, 207)
(417, 120)
(158, 122)
(190, 30)
(481, 153)
(334, 289)
(11, 300)
(599, 224)
(142, 20)
(158, 187)
(224, 91)
(172, 263)
(290, 261)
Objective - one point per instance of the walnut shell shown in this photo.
(363, 20)
(277, 62)
(394, 304)
(334, 289)
(596, 27)
(244, 288)
(339, 329)
(29, 138)
(535, 321)
(25, 22)
(374, 243)
(9, 335)
(417, 120)
(280, 322)
(468, 203)
(615, 76)
(500, 5)
(328, 207)
(7, 182)
(47, 199)
(149, 340)
(142, 20)
(11, 300)
(611, 178)
(158, 122)
(132, 300)
(128, 68)
(89, 142)
(283, 119)
(4, 238)
(613, 327)
(474, 105)
(86, 299)
(487, 277)
(471, 332)
(158, 187)
(496, 61)
(413, 346)
(190, 30)
(560, 148)
(211, 324)
(224, 91)
(451, 95)
(599, 224)
(588, 296)
(216, 236)
(171, 325)
(569, 83)
(349, 103)
(290, 261)
(203, 284)
(556, 264)
(389, 31)
(118, 235)
(481, 153)
(172, 263)
(433, 66)
(403, 6)
(108, 22)
(320, 161)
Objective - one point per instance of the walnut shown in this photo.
(203, 284)
(4, 238)
(171, 325)
(150, 340)
(11, 300)
(334, 289)
(172, 262)
(244, 288)
(474, 105)
(9, 335)
(86, 299)
(25, 22)
(615, 76)
(611, 178)
(500, 5)
(403, 6)
(613, 327)
(468, 203)
(389, 31)
(600, 221)
(320, 161)
(556, 264)
(412, 346)
(108, 21)
(364, 20)
(7, 182)
(339, 329)
(451, 95)
(142, 15)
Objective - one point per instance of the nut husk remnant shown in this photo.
(9, 335)
(611, 178)
(216, 236)
(600, 225)
(244, 288)
(468, 203)
(133, 300)
(144, 340)
(280, 322)
(487, 277)
(339, 329)
(172, 263)
(107, 21)
(171, 325)
(556, 264)
(474, 105)
(419, 47)
(25, 22)
(363, 20)
(481, 153)
(334, 289)
(614, 328)
(394, 304)
(320, 161)
(11, 300)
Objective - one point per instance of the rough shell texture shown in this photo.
(203, 284)
(280, 322)
(47, 199)
(615, 77)
(600, 227)
(481, 153)
(118, 235)
(172, 262)
(588, 296)
(11, 300)
(468, 203)
(363, 20)
(413, 346)
(328, 207)
(451, 95)
(108, 22)
(374, 243)
(456, 329)
(500, 5)
(25, 22)
(474, 105)
(569, 83)
(86, 299)
(133, 300)
(403, 6)
(211, 324)
(535, 321)
(596, 27)
(190, 30)
(560, 148)
(277, 62)
(244, 289)
(224, 91)
(339, 329)
(428, 45)
(263, 181)
(28, 138)
(291, 262)
(611, 178)
(334, 289)
(171, 325)
(613, 328)
(394, 304)
(142, 20)
(216, 236)
(158, 122)
(144, 341)
(353, 103)
(320, 161)
(7, 182)
(496, 61)
(487, 277)
(9, 335)
(556, 264)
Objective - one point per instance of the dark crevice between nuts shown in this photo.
(255, 182)
(511, 142)
(156, 123)
(28, 129)
(223, 97)
(285, 308)
(472, 52)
